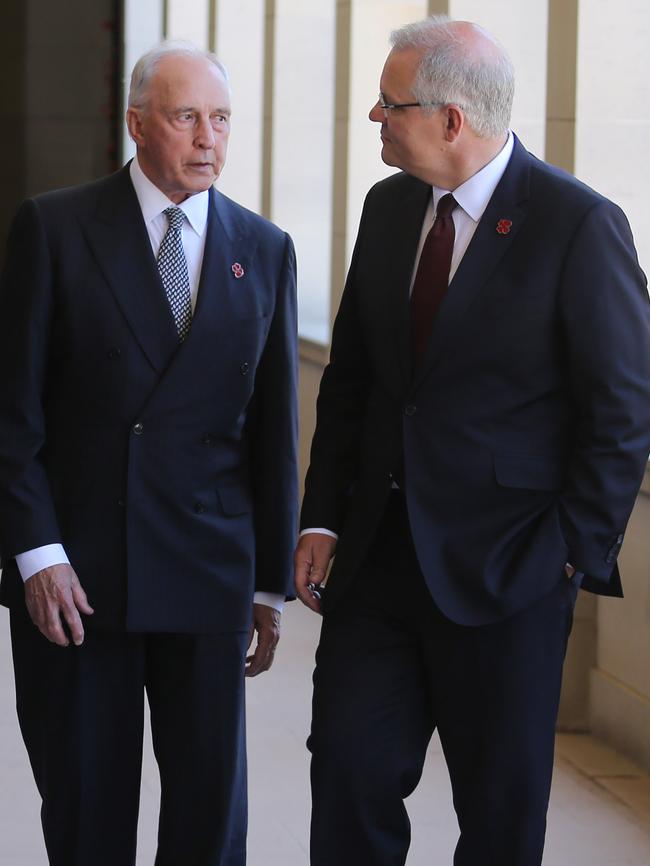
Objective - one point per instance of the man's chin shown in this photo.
(387, 157)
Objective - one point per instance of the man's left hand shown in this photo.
(266, 622)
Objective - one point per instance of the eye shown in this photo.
(219, 119)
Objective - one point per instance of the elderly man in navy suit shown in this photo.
(483, 427)
(147, 477)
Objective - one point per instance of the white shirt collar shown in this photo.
(153, 201)
(473, 195)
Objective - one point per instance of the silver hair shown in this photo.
(482, 84)
(146, 66)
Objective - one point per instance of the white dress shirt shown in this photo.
(152, 204)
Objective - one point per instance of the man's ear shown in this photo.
(134, 125)
(455, 121)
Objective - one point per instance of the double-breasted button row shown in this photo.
(113, 353)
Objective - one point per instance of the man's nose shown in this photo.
(205, 137)
(376, 113)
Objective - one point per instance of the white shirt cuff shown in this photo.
(39, 558)
(270, 599)
(319, 529)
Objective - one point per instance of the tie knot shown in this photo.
(175, 217)
(446, 206)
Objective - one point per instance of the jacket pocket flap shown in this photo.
(528, 472)
(234, 498)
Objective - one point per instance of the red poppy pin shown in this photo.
(503, 226)
(237, 270)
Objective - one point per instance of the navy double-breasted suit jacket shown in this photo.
(521, 442)
(167, 471)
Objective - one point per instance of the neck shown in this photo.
(466, 162)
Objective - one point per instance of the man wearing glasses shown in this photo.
(483, 428)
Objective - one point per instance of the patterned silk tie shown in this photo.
(432, 277)
(172, 267)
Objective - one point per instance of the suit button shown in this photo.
(199, 507)
(244, 368)
(113, 354)
(121, 503)
(410, 410)
(206, 439)
(138, 428)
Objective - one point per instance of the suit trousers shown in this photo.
(390, 669)
(81, 712)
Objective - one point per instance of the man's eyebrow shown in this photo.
(190, 109)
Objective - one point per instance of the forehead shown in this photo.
(189, 80)
(399, 72)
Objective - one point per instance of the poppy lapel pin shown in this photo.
(237, 270)
(503, 227)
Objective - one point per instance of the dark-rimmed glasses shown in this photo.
(391, 106)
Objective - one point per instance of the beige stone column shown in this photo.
(269, 83)
(561, 83)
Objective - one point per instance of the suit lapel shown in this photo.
(403, 229)
(121, 245)
(494, 235)
(223, 295)
(222, 299)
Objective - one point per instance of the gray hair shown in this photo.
(144, 69)
(482, 83)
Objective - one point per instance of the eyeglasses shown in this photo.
(392, 106)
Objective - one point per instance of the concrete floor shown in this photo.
(600, 804)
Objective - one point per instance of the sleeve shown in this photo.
(27, 515)
(606, 320)
(273, 434)
(340, 410)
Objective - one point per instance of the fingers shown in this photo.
(79, 597)
(267, 625)
(311, 562)
(54, 596)
(303, 577)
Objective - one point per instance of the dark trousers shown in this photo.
(390, 668)
(81, 713)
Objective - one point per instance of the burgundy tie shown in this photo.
(432, 277)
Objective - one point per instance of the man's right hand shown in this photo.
(311, 561)
(53, 594)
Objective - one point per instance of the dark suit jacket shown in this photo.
(522, 440)
(168, 472)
